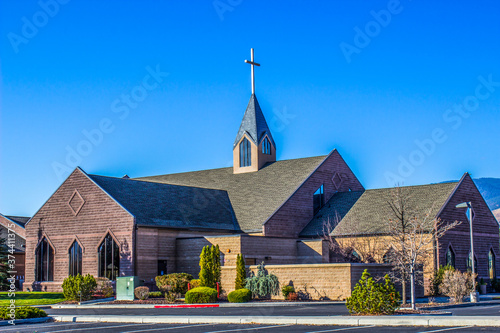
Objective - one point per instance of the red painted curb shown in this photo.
(188, 306)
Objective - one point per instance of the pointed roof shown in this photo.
(254, 123)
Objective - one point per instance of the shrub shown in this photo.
(155, 294)
(201, 295)
(141, 293)
(457, 285)
(241, 273)
(369, 297)
(104, 287)
(170, 297)
(495, 284)
(239, 296)
(263, 284)
(286, 290)
(194, 283)
(22, 312)
(74, 285)
(210, 266)
(438, 279)
(176, 282)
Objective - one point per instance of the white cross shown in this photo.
(251, 62)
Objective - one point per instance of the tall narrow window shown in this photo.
(469, 263)
(492, 265)
(318, 199)
(450, 257)
(75, 259)
(44, 266)
(245, 153)
(109, 258)
(266, 146)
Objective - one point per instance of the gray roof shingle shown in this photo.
(164, 205)
(254, 196)
(253, 123)
(369, 213)
(21, 220)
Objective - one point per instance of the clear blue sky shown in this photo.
(322, 85)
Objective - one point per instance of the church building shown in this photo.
(269, 210)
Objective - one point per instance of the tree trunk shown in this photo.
(413, 306)
(403, 290)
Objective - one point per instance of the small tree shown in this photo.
(79, 287)
(437, 279)
(210, 268)
(205, 270)
(241, 273)
(457, 285)
(369, 297)
(263, 284)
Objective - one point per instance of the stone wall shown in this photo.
(315, 281)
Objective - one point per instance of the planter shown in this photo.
(482, 289)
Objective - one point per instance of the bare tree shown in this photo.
(351, 248)
(412, 236)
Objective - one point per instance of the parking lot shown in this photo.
(211, 328)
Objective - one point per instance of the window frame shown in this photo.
(266, 146)
(103, 254)
(492, 265)
(319, 193)
(75, 264)
(453, 257)
(44, 267)
(245, 153)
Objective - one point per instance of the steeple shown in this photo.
(254, 145)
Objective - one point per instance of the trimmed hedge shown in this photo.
(141, 293)
(176, 282)
(239, 296)
(22, 312)
(155, 294)
(201, 295)
(195, 283)
(74, 285)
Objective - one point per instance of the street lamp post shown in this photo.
(470, 216)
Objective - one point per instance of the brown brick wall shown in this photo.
(297, 211)
(55, 219)
(485, 230)
(319, 281)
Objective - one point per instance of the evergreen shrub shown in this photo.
(263, 284)
(74, 285)
(175, 282)
(201, 295)
(141, 293)
(239, 296)
(22, 312)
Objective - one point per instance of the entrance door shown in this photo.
(162, 267)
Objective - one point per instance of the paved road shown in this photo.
(210, 328)
(486, 310)
(298, 310)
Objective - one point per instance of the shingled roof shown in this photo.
(254, 196)
(331, 213)
(253, 124)
(21, 220)
(163, 205)
(370, 212)
(366, 212)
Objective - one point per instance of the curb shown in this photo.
(461, 305)
(429, 321)
(184, 306)
(26, 321)
(221, 305)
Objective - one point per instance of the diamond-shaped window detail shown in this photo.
(76, 202)
(337, 180)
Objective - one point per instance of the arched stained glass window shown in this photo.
(450, 257)
(44, 266)
(266, 146)
(109, 258)
(245, 153)
(75, 259)
(492, 265)
(469, 263)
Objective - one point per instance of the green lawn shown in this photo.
(31, 298)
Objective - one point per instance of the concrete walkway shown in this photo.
(484, 321)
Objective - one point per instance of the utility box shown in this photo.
(125, 286)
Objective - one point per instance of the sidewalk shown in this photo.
(485, 321)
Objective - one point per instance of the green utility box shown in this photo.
(125, 286)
